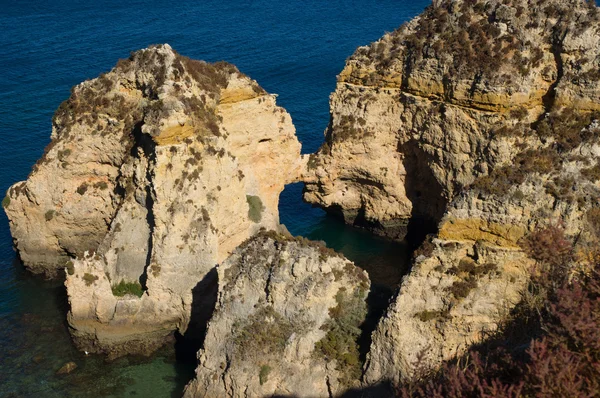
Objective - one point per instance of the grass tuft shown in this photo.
(127, 288)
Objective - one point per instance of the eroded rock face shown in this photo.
(131, 128)
(156, 172)
(480, 116)
(285, 323)
(427, 109)
(467, 278)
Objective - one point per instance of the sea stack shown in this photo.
(156, 171)
(286, 323)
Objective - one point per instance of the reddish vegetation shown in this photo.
(551, 346)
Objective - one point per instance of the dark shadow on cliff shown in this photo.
(204, 298)
(148, 147)
(381, 390)
(549, 99)
(378, 301)
(424, 191)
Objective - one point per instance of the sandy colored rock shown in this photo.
(156, 172)
(422, 113)
(478, 118)
(286, 322)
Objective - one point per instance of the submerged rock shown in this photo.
(67, 368)
(286, 322)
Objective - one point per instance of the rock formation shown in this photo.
(477, 117)
(137, 123)
(286, 322)
(423, 112)
(156, 171)
(480, 117)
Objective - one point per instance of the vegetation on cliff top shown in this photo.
(263, 334)
(563, 130)
(476, 39)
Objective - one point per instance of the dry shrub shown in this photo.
(558, 358)
(552, 251)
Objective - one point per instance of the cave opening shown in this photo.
(424, 191)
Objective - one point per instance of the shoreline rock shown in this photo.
(156, 172)
(480, 117)
(286, 322)
(419, 115)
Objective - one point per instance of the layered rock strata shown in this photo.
(481, 117)
(467, 278)
(286, 323)
(157, 170)
(427, 109)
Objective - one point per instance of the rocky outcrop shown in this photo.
(423, 112)
(480, 117)
(156, 172)
(144, 131)
(467, 279)
(286, 322)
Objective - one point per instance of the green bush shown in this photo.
(468, 273)
(102, 185)
(82, 188)
(343, 330)
(263, 375)
(255, 208)
(592, 174)
(64, 154)
(593, 217)
(49, 215)
(426, 315)
(125, 288)
(70, 267)
(264, 333)
(155, 269)
(6, 201)
(89, 279)
(461, 289)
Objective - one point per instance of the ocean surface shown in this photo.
(292, 48)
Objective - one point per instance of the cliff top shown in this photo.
(499, 41)
(167, 83)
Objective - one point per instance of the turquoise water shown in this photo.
(293, 48)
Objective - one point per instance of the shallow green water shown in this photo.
(37, 344)
(36, 340)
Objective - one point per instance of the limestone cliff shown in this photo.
(138, 135)
(157, 170)
(479, 116)
(286, 323)
(427, 109)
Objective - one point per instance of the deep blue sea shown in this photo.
(292, 48)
